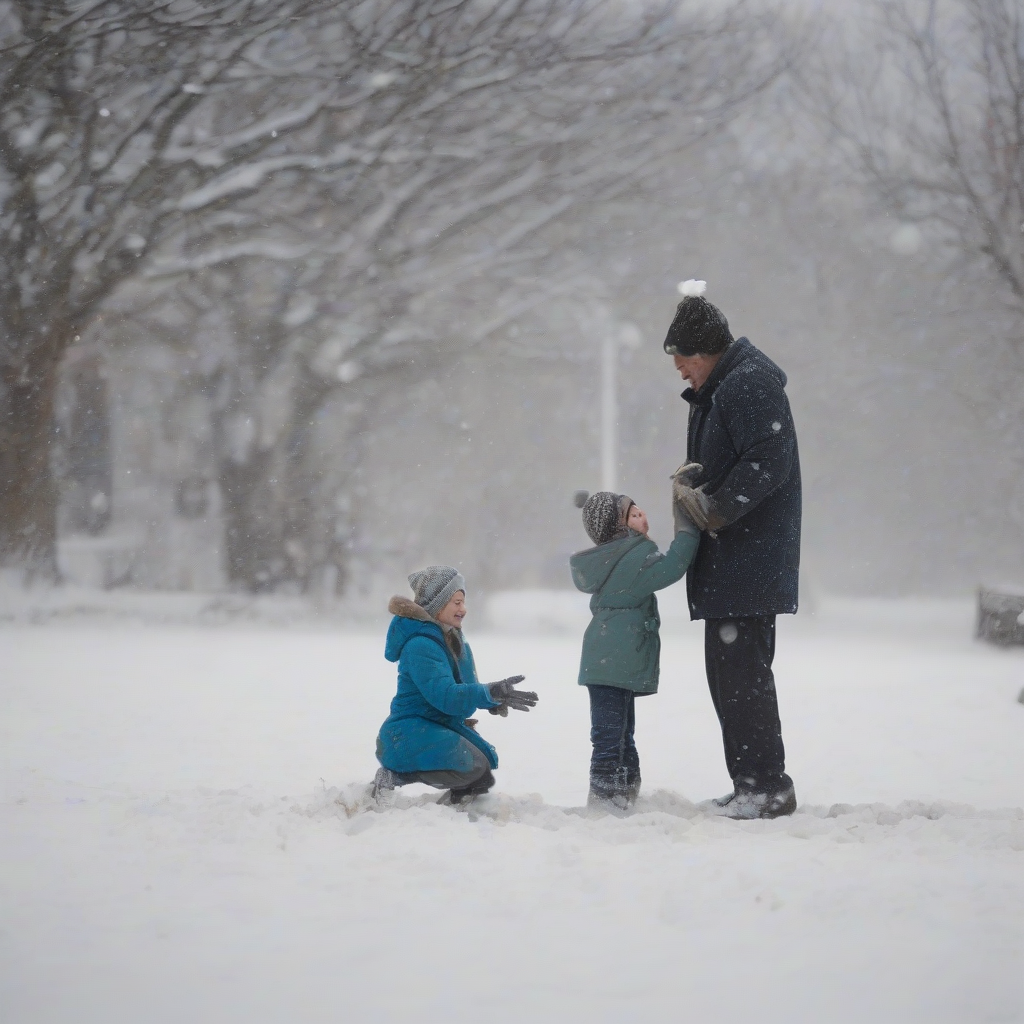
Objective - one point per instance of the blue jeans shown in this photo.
(614, 764)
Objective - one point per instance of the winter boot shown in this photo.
(466, 794)
(751, 800)
(615, 794)
(382, 792)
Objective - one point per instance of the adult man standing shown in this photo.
(742, 487)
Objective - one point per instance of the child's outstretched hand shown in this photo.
(505, 692)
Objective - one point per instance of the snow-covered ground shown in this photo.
(185, 835)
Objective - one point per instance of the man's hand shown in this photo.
(692, 502)
(686, 473)
(505, 692)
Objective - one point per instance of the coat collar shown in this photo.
(403, 608)
(735, 353)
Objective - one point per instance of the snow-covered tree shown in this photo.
(168, 137)
(95, 173)
(927, 101)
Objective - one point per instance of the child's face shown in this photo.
(637, 520)
(454, 611)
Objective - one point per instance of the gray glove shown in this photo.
(505, 692)
(691, 503)
(686, 473)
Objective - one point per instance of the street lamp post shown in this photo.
(609, 410)
(614, 337)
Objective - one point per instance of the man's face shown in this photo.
(695, 369)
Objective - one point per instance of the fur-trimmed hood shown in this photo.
(404, 608)
(408, 609)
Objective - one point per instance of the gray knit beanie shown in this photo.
(604, 515)
(435, 586)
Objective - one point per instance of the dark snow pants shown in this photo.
(614, 764)
(477, 780)
(738, 655)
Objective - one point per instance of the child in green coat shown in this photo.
(621, 647)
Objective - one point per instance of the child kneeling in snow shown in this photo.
(426, 738)
(621, 647)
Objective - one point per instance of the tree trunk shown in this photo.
(252, 527)
(274, 533)
(87, 480)
(305, 549)
(28, 491)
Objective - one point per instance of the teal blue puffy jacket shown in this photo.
(436, 693)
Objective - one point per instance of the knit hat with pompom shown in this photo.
(604, 515)
(699, 327)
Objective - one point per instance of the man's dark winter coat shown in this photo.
(741, 431)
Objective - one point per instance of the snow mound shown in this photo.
(667, 815)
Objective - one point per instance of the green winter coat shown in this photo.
(621, 646)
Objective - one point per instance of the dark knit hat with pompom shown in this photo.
(699, 329)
